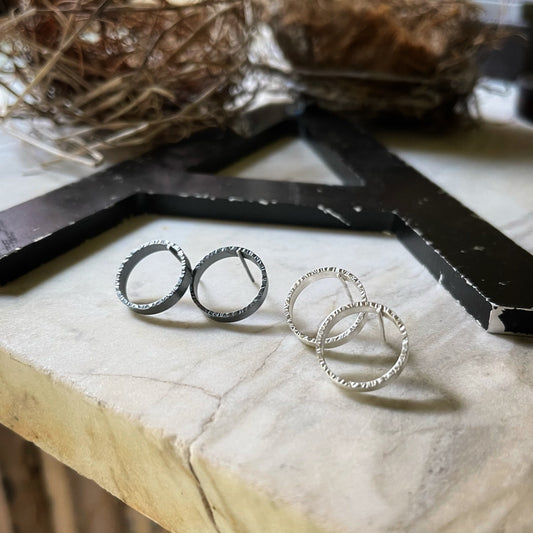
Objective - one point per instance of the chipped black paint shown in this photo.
(487, 272)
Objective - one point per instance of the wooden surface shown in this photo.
(208, 427)
(38, 494)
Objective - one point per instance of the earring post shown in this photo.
(243, 261)
(381, 325)
(345, 285)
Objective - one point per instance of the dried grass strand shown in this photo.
(45, 70)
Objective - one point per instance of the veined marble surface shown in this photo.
(234, 427)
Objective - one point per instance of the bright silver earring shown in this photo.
(344, 277)
(358, 308)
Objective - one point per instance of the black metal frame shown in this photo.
(487, 272)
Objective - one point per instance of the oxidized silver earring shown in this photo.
(221, 253)
(134, 258)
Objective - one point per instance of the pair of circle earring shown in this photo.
(360, 309)
(189, 279)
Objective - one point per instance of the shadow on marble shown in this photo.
(361, 359)
(489, 141)
(273, 327)
(525, 341)
(520, 359)
(410, 391)
(414, 394)
(171, 323)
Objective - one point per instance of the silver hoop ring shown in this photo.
(307, 279)
(134, 258)
(358, 308)
(218, 255)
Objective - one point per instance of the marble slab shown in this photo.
(234, 427)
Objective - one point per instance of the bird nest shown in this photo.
(411, 58)
(89, 75)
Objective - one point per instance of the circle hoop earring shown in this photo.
(134, 258)
(218, 255)
(321, 273)
(358, 308)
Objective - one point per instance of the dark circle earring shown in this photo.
(134, 258)
(217, 255)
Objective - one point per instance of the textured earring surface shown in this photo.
(217, 255)
(134, 258)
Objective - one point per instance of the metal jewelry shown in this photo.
(134, 258)
(320, 273)
(359, 308)
(217, 255)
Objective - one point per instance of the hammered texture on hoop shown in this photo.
(357, 308)
(303, 282)
(218, 255)
(134, 258)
